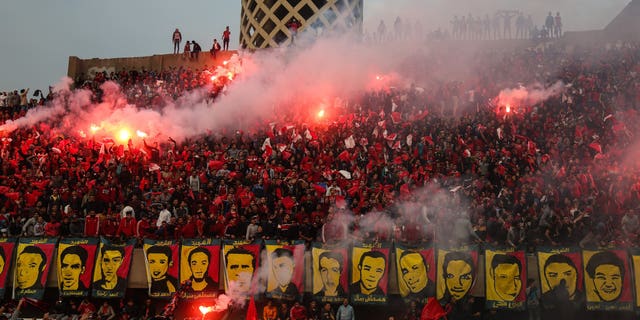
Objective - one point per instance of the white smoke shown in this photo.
(528, 96)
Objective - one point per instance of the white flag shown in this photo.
(350, 142)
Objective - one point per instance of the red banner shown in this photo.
(33, 260)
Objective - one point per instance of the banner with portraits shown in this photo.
(416, 272)
(34, 256)
(505, 275)
(241, 260)
(560, 265)
(635, 262)
(111, 272)
(285, 265)
(330, 271)
(7, 247)
(200, 265)
(607, 280)
(369, 282)
(457, 272)
(162, 259)
(75, 263)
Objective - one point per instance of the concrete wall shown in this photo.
(157, 62)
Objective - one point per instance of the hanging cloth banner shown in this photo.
(456, 274)
(556, 266)
(285, 265)
(200, 264)
(505, 275)
(162, 259)
(32, 262)
(330, 273)
(241, 260)
(416, 272)
(112, 269)
(7, 248)
(75, 262)
(370, 273)
(607, 280)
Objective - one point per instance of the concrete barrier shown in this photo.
(159, 62)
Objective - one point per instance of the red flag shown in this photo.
(270, 134)
(353, 190)
(288, 202)
(423, 114)
(267, 152)
(562, 172)
(286, 155)
(596, 146)
(545, 157)
(13, 195)
(396, 117)
(320, 190)
(404, 190)
(120, 151)
(252, 312)
(429, 140)
(344, 156)
(432, 310)
(531, 147)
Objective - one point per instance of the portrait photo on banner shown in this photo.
(560, 266)
(330, 273)
(200, 264)
(607, 280)
(240, 264)
(635, 261)
(162, 259)
(456, 274)
(112, 266)
(286, 267)
(416, 273)
(369, 275)
(32, 262)
(7, 247)
(505, 277)
(75, 264)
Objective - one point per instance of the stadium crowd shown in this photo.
(441, 156)
(549, 173)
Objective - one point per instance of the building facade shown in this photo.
(270, 23)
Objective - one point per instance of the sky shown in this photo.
(39, 35)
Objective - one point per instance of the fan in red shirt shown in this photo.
(127, 226)
(298, 312)
(143, 228)
(189, 229)
(52, 229)
(91, 224)
(108, 226)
